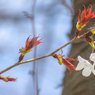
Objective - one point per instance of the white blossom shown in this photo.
(92, 57)
(86, 66)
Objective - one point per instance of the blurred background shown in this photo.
(53, 22)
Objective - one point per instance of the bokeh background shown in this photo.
(53, 22)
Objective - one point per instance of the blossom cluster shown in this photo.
(86, 66)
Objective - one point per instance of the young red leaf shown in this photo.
(29, 44)
(65, 61)
(6, 79)
(84, 18)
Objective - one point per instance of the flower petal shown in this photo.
(92, 69)
(86, 72)
(81, 63)
(80, 66)
(92, 56)
(84, 61)
(81, 60)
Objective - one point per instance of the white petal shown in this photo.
(88, 64)
(92, 69)
(81, 63)
(80, 66)
(86, 72)
(84, 61)
(81, 59)
(92, 56)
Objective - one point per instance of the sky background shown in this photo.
(53, 22)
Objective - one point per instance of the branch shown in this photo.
(50, 54)
(9, 67)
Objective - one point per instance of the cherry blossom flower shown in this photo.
(86, 66)
(92, 57)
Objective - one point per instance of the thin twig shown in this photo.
(10, 67)
(50, 54)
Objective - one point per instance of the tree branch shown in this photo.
(50, 54)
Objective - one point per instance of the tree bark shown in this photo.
(74, 83)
